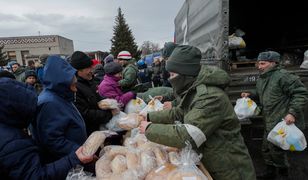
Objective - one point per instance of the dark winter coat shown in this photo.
(19, 155)
(59, 128)
(86, 102)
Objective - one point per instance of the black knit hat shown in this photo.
(184, 60)
(30, 73)
(80, 60)
(7, 74)
(112, 68)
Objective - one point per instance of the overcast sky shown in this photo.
(89, 23)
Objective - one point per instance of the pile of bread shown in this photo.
(138, 159)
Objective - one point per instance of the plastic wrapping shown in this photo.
(129, 122)
(236, 42)
(134, 106)
(78, 174)
(113, 123)
(153, 105)
(161, 172)
(188, 168)
(118, 164)
(304, 64)
(287, 137)
(108, 104)
(93, 142)
(245, 108)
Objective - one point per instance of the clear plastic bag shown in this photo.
(108, 104)
(188, 168)
(287, 137)
(113, 123)
(94, 141)
(153, 105)
(129, 122)
(78, 174)
(134, 106)
(304, 64)
(245, 108)
(236, 42)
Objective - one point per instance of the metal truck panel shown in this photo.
(204, 24)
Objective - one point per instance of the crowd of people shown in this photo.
(50, 108)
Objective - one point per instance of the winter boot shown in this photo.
(268, 173)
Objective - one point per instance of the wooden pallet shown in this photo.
(242, 64)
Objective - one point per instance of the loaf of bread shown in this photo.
(174, 158)
(118, 164)
(161, 157)
(161, 172)
(93, 143)
(129, 122)
(108, 104)
(185, 175)
(148, 161)
(102, 167)
(133, 159)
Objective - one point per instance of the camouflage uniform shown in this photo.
(166, 92)
(130, 75)
(280, 93)
(209, 123)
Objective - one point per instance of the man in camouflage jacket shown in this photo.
(282, 96)
(205, 115)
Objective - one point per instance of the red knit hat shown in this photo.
(124, 55)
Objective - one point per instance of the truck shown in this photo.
(264, 25)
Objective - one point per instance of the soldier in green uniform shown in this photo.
(282, 96)
(204, 117)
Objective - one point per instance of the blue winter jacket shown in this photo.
(19, 155)
(59, 127)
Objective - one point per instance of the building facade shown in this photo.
(19, 48)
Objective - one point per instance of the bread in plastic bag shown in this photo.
(245, 108)
(77, 173)
(161, 172)
(148, 161)
(118, 164)
(134, 106)
(153, 105)
(174, 158)
(236, 42)
(287, 137)
(188, 168)
(113, 123)
(108, 104)
(93, 142)
(129, 122)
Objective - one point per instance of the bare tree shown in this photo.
(149, 47)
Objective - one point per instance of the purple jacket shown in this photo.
(110, 88)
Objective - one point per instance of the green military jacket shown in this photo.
(129, 81)
(281, 93)
(209, 123)
(166, 92)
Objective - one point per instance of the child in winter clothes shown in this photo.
(110, 87)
